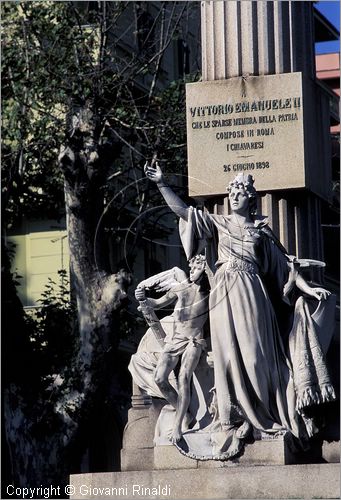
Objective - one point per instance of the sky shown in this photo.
(331, 10)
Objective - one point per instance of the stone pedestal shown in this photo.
(263, 471)
(137, 448)
(290, 481)
(270, 452)
(263, 451)
(331, 451)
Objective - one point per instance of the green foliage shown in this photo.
(52, 331)
(48, 59)
(58, 56)
(60, 60)
(33, 109)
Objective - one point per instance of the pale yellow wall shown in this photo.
(40, 254)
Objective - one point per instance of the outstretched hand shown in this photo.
(320, 293)
(154, 173)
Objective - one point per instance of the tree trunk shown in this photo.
(41, 436)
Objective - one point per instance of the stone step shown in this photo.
(234, 482)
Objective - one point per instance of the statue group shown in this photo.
(244, 350)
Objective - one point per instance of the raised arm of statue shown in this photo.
(163, 301)
(173, 201)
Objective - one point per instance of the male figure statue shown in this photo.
(186, 342)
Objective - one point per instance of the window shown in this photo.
(39, 254)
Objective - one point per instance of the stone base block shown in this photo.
(137, 459)
(274, 452)
(271, 452)
(168, 457)
(264, 452)
(331, 451)
(238, 482)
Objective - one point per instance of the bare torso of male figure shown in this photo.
(190, 311)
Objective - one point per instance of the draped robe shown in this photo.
(254, 377)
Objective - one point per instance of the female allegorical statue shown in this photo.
(269, 366)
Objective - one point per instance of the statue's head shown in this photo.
(197, 266)
(243, 184)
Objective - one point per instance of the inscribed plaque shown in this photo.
(252, 125)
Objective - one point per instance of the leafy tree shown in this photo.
(81, 115)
